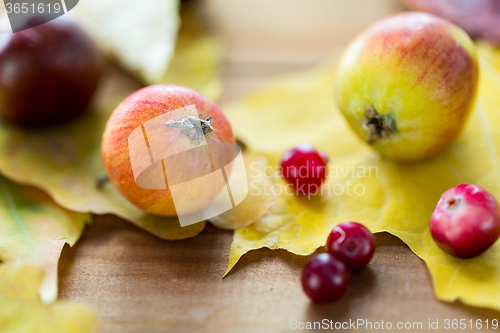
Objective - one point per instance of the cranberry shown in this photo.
(352, 243)
(325, 278)
(466, 221)
(304, 168)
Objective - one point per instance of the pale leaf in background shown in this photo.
(141, 35)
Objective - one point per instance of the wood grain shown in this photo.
(139, 283)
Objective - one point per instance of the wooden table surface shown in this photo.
(139, 283)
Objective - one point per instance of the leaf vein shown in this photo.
(15, 214)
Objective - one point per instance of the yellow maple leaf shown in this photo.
(66, 161)
(22, 312)
(258, 200)
(383, 195)
(490, 53)
(34, 229)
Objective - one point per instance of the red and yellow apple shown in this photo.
(146, 152)
(407, 84)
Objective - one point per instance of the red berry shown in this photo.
(352, 243)
(325, 278)
(466, 221)
(304, 168)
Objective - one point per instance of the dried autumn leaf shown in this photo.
(66, 162)
(22, 311)
(34, 229)
(259, 198)
(397, 198)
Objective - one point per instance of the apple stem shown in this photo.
(206, 125)
(379, 126)
(193, 127)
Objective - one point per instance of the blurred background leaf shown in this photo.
(34, 229)
(480, 18)
(22, 312)
(141, 35)
(158, 41)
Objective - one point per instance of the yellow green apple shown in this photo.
(407, 84)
